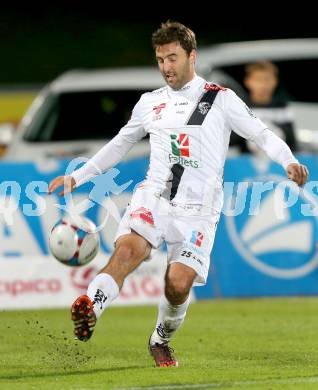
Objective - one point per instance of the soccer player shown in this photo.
(189, 122)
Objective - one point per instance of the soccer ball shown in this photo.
(74, 242)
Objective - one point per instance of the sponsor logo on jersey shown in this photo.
(196, 238)
(181, 104)
(180, 144)
(179, 109)
(213, 87)
(186, 162)
(180, 147)
(157, 109)
(144, 214)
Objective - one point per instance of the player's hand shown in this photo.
(298, 173)
(68, 182)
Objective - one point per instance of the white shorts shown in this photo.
(188, 234)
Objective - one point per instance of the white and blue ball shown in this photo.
(74, 242)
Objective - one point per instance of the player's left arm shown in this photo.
(279, 151)
(242, 120)
(298, 173)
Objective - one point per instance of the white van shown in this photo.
(79, 112)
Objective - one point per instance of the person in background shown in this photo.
(261, 80)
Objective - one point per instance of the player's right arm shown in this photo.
(107, 157)
(68, 183)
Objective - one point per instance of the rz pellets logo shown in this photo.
(180, 145)
(180, 148)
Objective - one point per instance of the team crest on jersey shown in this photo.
(204, 107)
(180, 151)
(157, 110)
(196, 238)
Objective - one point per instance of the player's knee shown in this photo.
(125, 251)
(128, 251)
(177, 288)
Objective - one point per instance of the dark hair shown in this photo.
(174, 32)
(263, 66)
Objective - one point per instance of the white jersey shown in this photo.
(189, 133)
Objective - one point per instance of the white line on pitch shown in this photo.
(313, 379)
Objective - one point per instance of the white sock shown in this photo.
(102, 290)
(170, 318)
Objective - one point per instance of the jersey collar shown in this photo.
(191, 88)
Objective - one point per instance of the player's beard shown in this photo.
(176, 80)
(171, 79)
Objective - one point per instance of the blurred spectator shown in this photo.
(261, 80)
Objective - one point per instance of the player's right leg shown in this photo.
(131, 249)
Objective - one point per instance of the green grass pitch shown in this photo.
(224, 344)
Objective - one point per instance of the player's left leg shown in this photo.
(172, 311)
(189, 244)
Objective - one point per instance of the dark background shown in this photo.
(38, 42)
